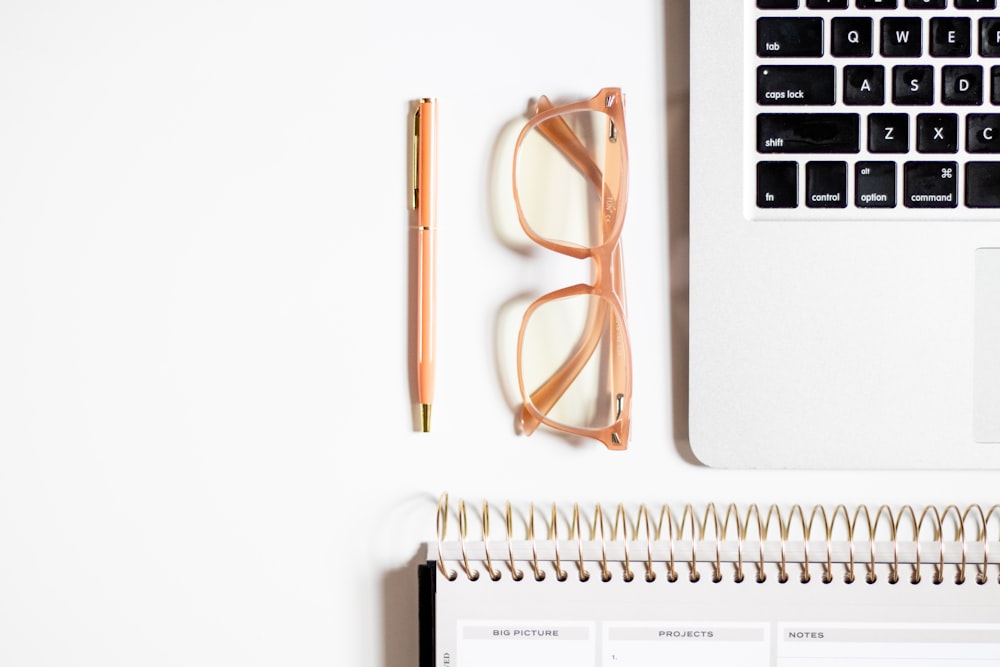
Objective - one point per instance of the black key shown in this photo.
(826, 184)
(901, 37)
(926, 4)
(826, 4)
(962, 85)
(951, 37)
(930, 184)
(796, 84)
(777, 4)
(982, 133)
(864, 85)
(875, 184)
(913, 85)
(789, 37)
(989, 38)
(777, 184)
(808, 133)
(982, 184)
(975, 4)
(875, 4)
(995, 88)
(852, 37)
(937, 133)
(888, 133)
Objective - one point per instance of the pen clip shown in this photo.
(415, 162)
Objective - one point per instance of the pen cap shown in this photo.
(425, 177)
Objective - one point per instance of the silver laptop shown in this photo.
(845, 233)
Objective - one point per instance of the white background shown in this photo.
(207, 446)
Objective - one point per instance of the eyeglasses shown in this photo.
(574, 362)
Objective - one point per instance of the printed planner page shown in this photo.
(531, 623)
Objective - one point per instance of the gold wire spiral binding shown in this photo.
(717, 564)
(761, 537)
(561, 574)
(620, 514)
(775, 511)
(982, 571)
(955, 532)
(517, 574)
(804, 576)
(915, 524)
(574, 531)
(485, 523)
(463, 529)
(599, 524)
(441, 526)
(671, 564)
(644, 518)
(539, 573)
(693, 563)
(733, 511)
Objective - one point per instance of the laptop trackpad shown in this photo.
(987, 360)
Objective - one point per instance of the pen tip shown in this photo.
(425, 417)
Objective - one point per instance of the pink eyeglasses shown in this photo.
(574, 361)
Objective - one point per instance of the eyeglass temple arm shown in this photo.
(549, 393)
(562, 136)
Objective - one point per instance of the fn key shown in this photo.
(777, 184)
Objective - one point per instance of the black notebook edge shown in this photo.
(427, 589)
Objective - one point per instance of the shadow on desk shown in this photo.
(677, 39)
(400, 603)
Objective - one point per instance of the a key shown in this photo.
(777, 184)
(796, 84)
(777, 4)
(962, 85)
(975, 4)
(808, 133)
(864, 85)
(826, 4)
(937, 133)
(789, 37)
(900, 37)
(982, 133)
(930, 184)
(926, 4)
(982, 184)
(826, 184)
(875, 184)
(995, 87)
(951, 37)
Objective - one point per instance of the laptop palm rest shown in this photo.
(987, 346)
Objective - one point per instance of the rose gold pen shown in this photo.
(424, 202)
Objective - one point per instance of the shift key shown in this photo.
(808, 133)
(798, 85)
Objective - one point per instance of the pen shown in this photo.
(424, 202)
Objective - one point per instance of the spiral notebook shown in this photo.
(638, 587)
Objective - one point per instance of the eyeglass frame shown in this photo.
(608, 283)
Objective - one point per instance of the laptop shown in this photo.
(845, 234)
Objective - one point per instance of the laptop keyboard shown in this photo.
(869, 105)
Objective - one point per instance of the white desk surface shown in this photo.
(207, 452)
